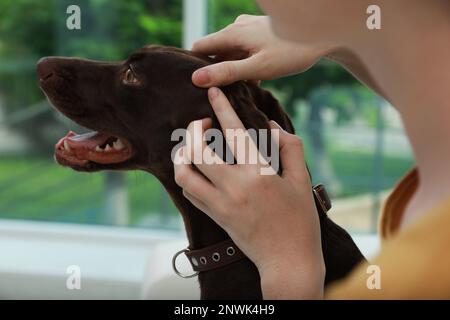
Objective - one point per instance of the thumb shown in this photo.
(291, 154)
(224, 73)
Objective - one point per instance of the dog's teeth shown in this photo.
(108, 148)
(98, 149)
(66, 145)
(118, 145)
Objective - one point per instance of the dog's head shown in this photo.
(135, 105)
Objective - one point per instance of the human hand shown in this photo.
(271, 218)
(252, 52)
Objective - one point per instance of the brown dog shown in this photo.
(134, 106)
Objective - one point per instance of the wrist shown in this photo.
(293, 280)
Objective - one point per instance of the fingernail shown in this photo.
(202, 76)
(206, 121)
(213, 93)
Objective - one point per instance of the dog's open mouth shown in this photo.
(77, 150)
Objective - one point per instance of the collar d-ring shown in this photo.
(174, 265)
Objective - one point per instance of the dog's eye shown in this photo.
(129, 77)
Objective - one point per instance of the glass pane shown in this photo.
(354, 140)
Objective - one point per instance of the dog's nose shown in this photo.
(45, 67)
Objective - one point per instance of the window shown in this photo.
(32, 186)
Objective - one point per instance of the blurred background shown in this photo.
(354, 140)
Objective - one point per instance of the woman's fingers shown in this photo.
(191, 181)
(218, 42)
(234, 45)
(196, 202)
(291, 154)
(223, 110)
(199, 154)
(238, 139)
(224, 73)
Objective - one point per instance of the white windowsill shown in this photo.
(35, 257)
(116, 263)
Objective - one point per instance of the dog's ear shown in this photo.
(266, 102)
(245, 105)
(244, 102)
(256, 106)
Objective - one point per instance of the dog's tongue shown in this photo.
(87, 140)
(78, 149)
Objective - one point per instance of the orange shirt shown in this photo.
(413, 263)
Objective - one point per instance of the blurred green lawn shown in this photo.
(37, 188)
(355, 171)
